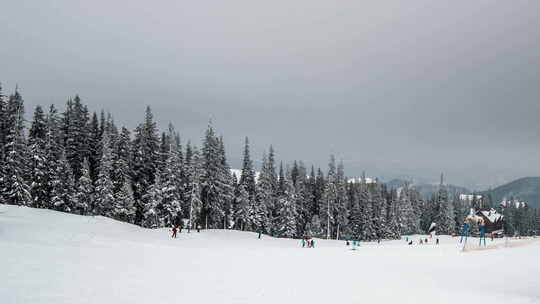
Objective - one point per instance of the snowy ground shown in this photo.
(51, 257)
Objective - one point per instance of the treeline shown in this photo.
(80, 162)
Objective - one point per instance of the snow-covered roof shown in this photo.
(492, 215)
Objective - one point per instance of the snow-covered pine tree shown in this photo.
(394, 220)
(122, 157)
(124, 205)
(213, 181)
(356, 222)
(39, 184)
(265, 193)
(418, 204)
(227, 183)
(170, 209)
(368, 231)
(445, 215)
(243, 210)
(14, 189)
(341, 213)
(314, 228)
(303, 197)
(75, 134)
(286, 218)
(63, 186)
(330, 199)
(461, 210)
(379, 209)
(145, 160)
(194, 171)
(409, 221)
(247, 178)
(104, 194)
(94, 146)
(152, 200)
(84, 195)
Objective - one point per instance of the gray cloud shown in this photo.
(396, 88)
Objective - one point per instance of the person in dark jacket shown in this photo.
(174, 232)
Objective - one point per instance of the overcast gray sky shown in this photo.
(393, 87)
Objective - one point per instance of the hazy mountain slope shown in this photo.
(526, 189)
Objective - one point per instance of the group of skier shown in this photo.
(178, 229)
(309, 243)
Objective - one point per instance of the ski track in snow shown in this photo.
(53, 257)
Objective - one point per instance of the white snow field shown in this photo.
(53, 257)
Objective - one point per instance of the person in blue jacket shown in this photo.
(482, 229)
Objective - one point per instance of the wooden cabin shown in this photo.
(493, 220)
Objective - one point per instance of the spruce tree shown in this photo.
(445, 213)
(152, 200)
(63, 186)
(243, 210)
(37, 138)
(286, 218)
(84, 195)
(124, 204)
(330, 200)
(265, 194)
(247, 178)
(170, 209)
(13, 186)
(194, 171)
(104, 196)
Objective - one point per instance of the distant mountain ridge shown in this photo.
(525, 189)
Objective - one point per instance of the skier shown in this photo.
(482, 229)
(303, 243)
(312, 243)
(174, 233)
(437, 242)
(410, 242)
(464, 231)
(421, 242)
(198, 228)
(180, 228)
(347, 242)
(259, 234)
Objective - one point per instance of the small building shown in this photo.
(513, 203)
(493, 220)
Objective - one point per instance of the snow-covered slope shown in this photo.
(52, 257)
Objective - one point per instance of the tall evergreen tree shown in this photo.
(247, 178)
(84, 195)
(104, 195)
(445, 213)
(124, 205)
(286, 220)
(63, 186)
(13, 186)
(145, 160)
